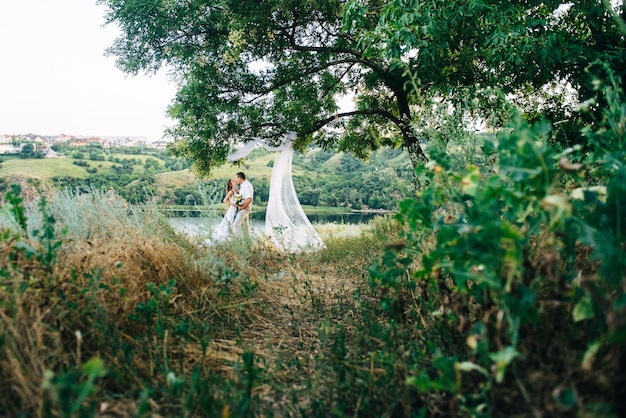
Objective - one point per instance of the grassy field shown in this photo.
(256, 167)
(41, 169)
(45, 169)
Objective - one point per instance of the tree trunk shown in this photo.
(411, 143)
(416, 154)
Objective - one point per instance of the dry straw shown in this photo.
(248, 295)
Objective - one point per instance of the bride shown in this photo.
(285, 221)
(223, 230)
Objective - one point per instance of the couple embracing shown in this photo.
(239, 196)
(286, 224)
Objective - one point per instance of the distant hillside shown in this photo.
(320, 178)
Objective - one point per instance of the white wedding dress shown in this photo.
(286, 224)
(223, 231)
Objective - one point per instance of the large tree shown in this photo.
(260, 68)
(250, 68)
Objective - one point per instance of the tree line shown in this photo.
(330, 180)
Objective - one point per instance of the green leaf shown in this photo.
(590, 355)
(583, 309)
(471, 181)
(502, 359)
(567, 398)
(620, 303)
(94, 367)
(468, 366)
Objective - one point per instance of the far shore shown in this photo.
(259, 207)
(380, 211)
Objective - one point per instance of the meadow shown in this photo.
(119, 315)
(42, 169)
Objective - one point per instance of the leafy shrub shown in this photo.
(81, 163)
(511, 277)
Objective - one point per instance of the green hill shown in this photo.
(41, 169)
(320, 178)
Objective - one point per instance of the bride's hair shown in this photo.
(229, 186)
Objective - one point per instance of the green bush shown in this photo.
(511, 276)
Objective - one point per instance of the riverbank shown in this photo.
(220, 207)
(316, 214)
(376, 211)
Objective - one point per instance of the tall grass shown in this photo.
(127, 316)
(113, 292)
(106, 311)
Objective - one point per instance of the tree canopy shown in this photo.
(532, 52)
(251, 68)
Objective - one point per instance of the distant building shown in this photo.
(79, 141)
(8, 149)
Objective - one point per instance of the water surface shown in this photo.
(324, 224)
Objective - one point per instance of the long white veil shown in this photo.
(285, 221)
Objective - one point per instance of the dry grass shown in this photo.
(251, 297)
(334, 230)
(22, 364)
(174, 179)
(125, 250)
(293, 296)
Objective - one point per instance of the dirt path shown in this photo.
(287, 324)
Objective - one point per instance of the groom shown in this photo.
(245, 207)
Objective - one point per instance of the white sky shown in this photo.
(54, 77)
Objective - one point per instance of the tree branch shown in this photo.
(372, 112)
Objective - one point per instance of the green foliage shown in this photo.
(14, 205)
(152, 165)
(224, 96)
(71, 389)
(378, 183)
(29, 151)
(140, 190)
(488, 250)
(154, 310)
(47, 246)
(133, 188)
(479, 46)
(81, 163)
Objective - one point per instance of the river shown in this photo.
(343, 224)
